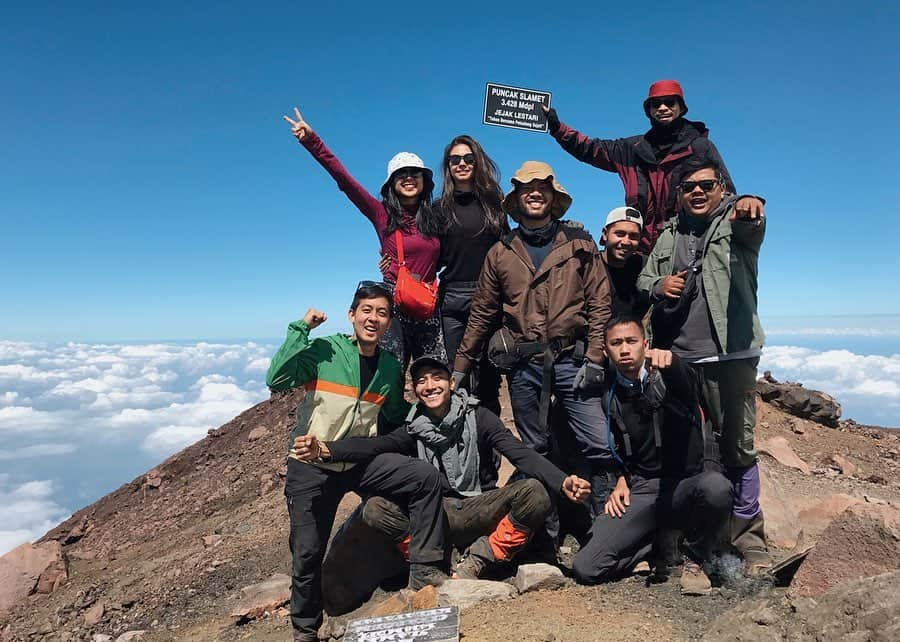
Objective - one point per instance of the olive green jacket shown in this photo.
(729, 276)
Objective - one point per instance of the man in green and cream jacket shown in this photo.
(349, 382)
(702, 280)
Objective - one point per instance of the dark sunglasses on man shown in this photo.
(456, 159)
(668, 101)
(706, 185)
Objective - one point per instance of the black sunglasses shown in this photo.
(706, 185)
(407, 172)
(456, 159)
(373, 284)
(668, 101)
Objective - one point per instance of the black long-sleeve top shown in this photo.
(492, 435)
(466, 240)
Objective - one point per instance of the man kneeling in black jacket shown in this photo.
(448, 428)
(669, 474)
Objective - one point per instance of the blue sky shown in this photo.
(150, 189)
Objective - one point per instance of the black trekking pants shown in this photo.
(455, 300)
(314, 495)
(698, 505)
(526, 502)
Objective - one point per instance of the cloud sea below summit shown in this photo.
(78, 420)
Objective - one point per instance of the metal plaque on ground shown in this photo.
(433, 625)
(515, 107)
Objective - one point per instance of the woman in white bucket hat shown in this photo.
(404, 207)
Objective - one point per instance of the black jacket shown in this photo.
(492, 435)
(679, 453)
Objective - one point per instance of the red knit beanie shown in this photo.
(665, 88)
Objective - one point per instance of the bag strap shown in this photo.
(399, 239)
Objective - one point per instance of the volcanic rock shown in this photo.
(780, 450)
(263, 597)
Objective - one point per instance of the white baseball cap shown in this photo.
(629, 214)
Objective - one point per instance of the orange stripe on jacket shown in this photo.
(346, 391)
(329, 386)
(373, 397)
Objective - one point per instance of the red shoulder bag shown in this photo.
(414, 298)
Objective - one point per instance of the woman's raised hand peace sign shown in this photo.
(299, 127)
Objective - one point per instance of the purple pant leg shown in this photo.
(746, 491)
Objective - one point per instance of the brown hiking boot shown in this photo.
(479, 560)
(693, 580)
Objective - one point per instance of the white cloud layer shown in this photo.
(59, 404)
(29, 510)
(867, 386)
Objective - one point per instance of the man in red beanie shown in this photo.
(649, 164)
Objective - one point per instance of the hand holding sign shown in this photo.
(300, 128)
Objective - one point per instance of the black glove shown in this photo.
(552, 121)
(589, 378)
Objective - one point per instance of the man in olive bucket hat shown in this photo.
(542, 301)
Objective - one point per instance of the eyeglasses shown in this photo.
(668, 101)
(707, 185)
(407, 172)
(456, 159)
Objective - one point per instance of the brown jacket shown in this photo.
(567, 297)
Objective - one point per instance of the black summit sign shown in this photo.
(515, 107)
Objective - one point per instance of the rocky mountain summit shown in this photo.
(196, 549)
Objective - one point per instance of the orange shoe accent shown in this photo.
(403, 547)
(507, 540)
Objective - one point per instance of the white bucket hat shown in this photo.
(405, 160)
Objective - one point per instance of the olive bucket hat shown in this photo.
(536, 170)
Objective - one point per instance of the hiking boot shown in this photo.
(422, 575)
(749, 538)
(305, 636)
(693, 580)
(479, 560)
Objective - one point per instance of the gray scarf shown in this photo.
(451, 444)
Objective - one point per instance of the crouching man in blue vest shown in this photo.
(669, 476)
(451, 431)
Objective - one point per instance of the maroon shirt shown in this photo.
(421, 253)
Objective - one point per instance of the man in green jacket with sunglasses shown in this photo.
(702, 280)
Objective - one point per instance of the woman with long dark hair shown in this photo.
(405, 207)
(474, 221)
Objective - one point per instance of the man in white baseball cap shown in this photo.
(620, 238)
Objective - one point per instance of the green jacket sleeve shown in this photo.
(649, 276)
(295, 362)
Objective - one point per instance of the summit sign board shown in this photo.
(433, 625)
(515, 107)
